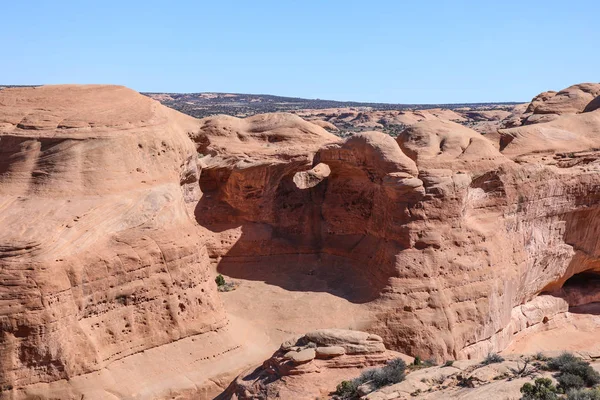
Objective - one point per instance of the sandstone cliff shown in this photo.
(99, 253)
(443, 242)
(446, 238)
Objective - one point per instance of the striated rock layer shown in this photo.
(99, 252)
(445, 237)
(311, 365)
(454, 243)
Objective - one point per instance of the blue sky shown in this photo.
(385, 51)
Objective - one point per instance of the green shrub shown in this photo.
(492, 358)
(569, 365)
(542, 389)
(555, 364)
(449, 363)
(395, 370)
(392, 372)
(219, 280)
(419, 364)
(346, 390)
(583, 370)
(570, 381)
(583, 394)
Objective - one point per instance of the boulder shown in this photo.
(330, 351)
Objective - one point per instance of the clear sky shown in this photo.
(385, 51)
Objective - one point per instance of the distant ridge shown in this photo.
(204, 104)
(209, 103)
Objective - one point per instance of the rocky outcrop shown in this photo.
(548, 106)
(539, 100)
(100, 257)
(568, 133)
(592, 105)
(325, 125)
(571, 100)
(311, 365)
(443, 144)
(452, 243)
(441, 234)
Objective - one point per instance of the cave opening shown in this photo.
(582, 292)
(582, 281)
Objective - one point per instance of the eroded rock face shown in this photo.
(442, 234)
(568, 133)
(454, 243)
(444, 144)
(548, 106)
(308, 366)
(571, 100)
(99, 253)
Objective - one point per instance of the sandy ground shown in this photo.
(261, 317)
(281, 313)
(576, 331)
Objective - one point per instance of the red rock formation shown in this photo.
(547, 106)
(452, 245)
(311, 365)
(99, 252)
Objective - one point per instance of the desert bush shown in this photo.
(222, 285)
(542, 389)
(569, 365)
(583, 370)
(449, 363)
(418, 364)
(492, 358)
(555, 363)
(583, 394)
(570, 381)
(392, 372)
(346, 390)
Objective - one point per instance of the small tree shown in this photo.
(346, 389)
(219, 280)
(543, 389)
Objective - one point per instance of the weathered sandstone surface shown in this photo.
(445, 237)
(310, 366)
(548, 106)
(118, 211)
(99, 251)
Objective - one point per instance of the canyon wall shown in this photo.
(116, 210)
(99, 252)
(447, 238)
